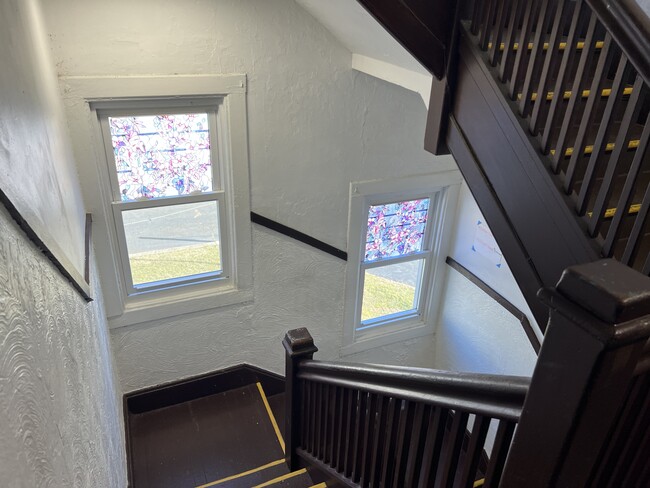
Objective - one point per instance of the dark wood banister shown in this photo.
(629, 25)
(492, 395)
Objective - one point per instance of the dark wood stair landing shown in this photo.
(212, 438)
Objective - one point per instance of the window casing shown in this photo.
(398, 238)
(223, 97)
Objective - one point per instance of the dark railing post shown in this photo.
(598, 327)
(299, 345)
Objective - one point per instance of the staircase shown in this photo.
(551, 114)
(544, 105)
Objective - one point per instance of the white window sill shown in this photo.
(162, 305)
(383, 338)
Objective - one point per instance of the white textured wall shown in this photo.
(35, 154)
(315, 125)
(60, 414)
(474, 332)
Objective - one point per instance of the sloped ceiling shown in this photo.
(374, 50)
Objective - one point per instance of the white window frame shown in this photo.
(442, 189)
(220, 178)
(224, 97)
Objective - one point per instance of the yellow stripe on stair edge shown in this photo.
(281, 478)
(241, 475)
(271, 416)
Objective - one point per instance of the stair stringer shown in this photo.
(530, 217)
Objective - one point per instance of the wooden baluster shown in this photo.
(486, 24)
(299, 345)
(568, 60)
(638, 230)
(433, 447)
(318, 419)
(379, 425)
(325, 423)
(335, 418)
(572, 113)
(509, 54)
(499, 31)
(521, 60)
(401, 449)
(535, 61)
(339, 442)
(350, 440)
(575, 170)
(639, 163)
(474, 451)
(553, 57)
(363, 447)
(477, 15)
(499, 454)
(598, 155)
(387, 463)
(616, 163)
(453, 448)
(304, 424)
(416, 445)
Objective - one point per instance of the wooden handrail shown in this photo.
(629, 25)
(496, 396)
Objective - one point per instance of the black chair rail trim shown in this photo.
(299, 236)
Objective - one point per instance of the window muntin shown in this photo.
(164, 161)
(397, 250)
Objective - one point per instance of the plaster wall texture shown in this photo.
(35, 155)
(60, 417)
(474, 332)
(315, 125)
(61, 420)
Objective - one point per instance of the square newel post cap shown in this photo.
(299, 342)
(609, 290)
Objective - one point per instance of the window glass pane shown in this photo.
(391, 289)
(161, 155)
(172, 242)
(396, 229)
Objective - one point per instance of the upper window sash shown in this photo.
(215, 133)
(426, 242)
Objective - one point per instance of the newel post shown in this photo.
(299, 345)
(598, 327)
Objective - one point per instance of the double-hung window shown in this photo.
(397, 239)
(169, 200)
(170, 191)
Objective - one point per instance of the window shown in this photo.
(397, 241)
(170, 192)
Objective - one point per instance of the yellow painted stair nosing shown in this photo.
(562, 46)
(633, 144)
